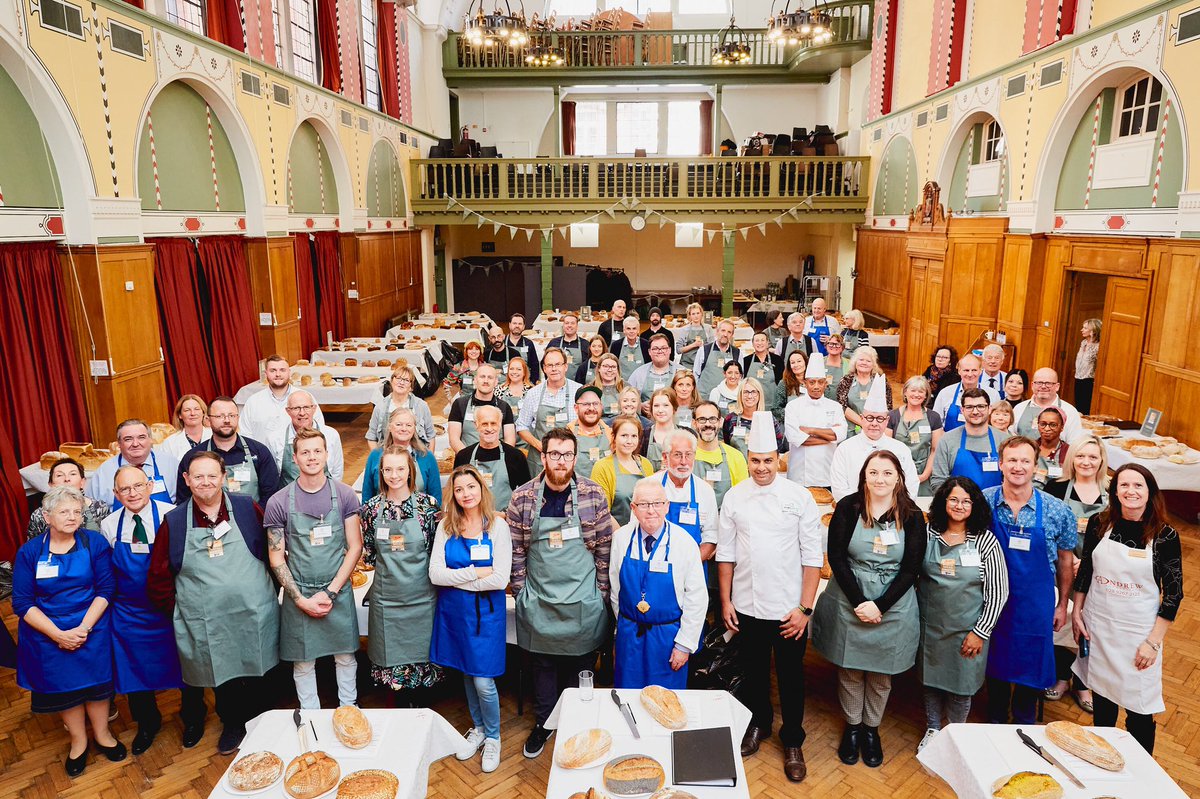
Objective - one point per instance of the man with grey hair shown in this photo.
(503, 466)
(820, 326)
(656, 374)
(993, 377)
(301, 408)
(631, 349)
(657, 593)
(136, 449)
(693, 503)
(795, 340)
(460, 424)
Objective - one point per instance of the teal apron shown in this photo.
(792, 345)
(740, 435)
(654, 452)
(951, 599)
(656, 381)
(889, 647)
(316, 549)
(1027, 424)
(1046, 471)
(1083, 513)
(687, 335)
(573, 350)
(624, 483)
(713, 372)
(470, 434)
(716, 475)
(590, 450)
(400, 616)
(724, 403)
(765, 373)
(856, 400)
(548, 417)
(630, 358)
(226, 616)
(560, 610)
(834, 375)
(242, 478)
(495, 475)
(610, 403)
(918, 437)
(288, 470)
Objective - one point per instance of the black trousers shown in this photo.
(1140, 725)
(1063, 660)
(1002, 695)
(144, 708)
(237, 701)
(757, 639)
(1083, 394)
(552, 674)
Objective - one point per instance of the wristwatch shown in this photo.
(330, 592)
(805, 611)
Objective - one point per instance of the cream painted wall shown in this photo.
(913, 36)
(773, 108)
(997, 33)
(507, 115)
(431, 109)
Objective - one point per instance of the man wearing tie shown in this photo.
(136, 449)
(993, 377)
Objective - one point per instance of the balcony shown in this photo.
(598, 57)
(558, 190)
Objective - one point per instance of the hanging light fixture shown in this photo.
(498, 28)
(731, 49)
(799, 27)
(544, 56)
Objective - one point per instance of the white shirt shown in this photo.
(263, 414)
(466, 577)
(985, 382)
(706, 498)
(333, 445)
(178, 445)
(809, 466)
(100, 484)
(108, 527)
(952, 395)
(687, 573)
(769, 533)
(1072, 430)
(853, 453)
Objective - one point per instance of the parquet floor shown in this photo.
(32, 748)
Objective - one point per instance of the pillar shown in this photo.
(548, 269)
(729, 237)
(716, 122)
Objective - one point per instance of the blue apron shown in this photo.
(144, 654)
(64, 596)
(1022, 646)
(816, 333)
(971, 466)
(469, 626)
(162, 495)
(954, 412)
(645, 639)
(681, 512)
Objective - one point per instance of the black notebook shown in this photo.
(703, 757)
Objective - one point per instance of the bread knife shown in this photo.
(627, 712)
(299, 722)
(1049, 758)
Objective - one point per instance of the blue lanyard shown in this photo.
(691, 485)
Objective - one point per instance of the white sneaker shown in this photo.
(491, 755)
(929, 735)
(474, 741)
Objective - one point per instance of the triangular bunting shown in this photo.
(779, 221)
(529, 234)
(727, 236)
(662, 221)
(466, 214)
(762, 228)
(794, 213)
(479, 220)
(635, 202)
(496, 227)
(548, 233)
(449, 203)
(712, 234)
(612, 212)
(745, 231)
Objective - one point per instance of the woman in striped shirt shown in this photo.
(962, 588)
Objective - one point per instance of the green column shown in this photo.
(729, 236)
(548, 271)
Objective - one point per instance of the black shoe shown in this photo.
(76, 765)
(231, 739)
(872, 747)
(751, 740)
(192, 733)
(848, 749)
(116, 753)
(143, 740)
(536, 741)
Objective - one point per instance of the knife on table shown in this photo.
(299, 722)
(1049, 758)
(627, 712)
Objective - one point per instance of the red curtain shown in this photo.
(186, 366)
(568, 127)
(136, 3)
(310, 329)
(14, 508)
(234, 324)
(224, 19)
(706, 127)
(331, 312)
(327, 41)
(389, 82)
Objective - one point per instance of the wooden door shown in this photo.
(1088, 295)
(1121, 345)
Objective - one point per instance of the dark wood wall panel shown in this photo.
(386, 271)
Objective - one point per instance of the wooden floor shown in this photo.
(32, 748)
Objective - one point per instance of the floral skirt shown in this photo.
(408, 675)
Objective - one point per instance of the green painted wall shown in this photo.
(27, 175)
(971, 154)
(385, 184)
(896, 185)
(1072, 182)
(311, 186)
(185, 175)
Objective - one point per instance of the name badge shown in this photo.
(220, 530)
(947, 566)
(991, 464)
(556, 539)
(1137, 553)
(570, 533)
(46, 571)
(216, 548)
(480, 552)
(629, 357)
(889, 536)
(323, 531)
(487, 478)
(382, 533)
(233, 486)
(862, 395)
(159, 486)
(713, 475)
(594, 453)
(561, 417)
(914, 437)
(878, 547)
(241, 472)
(739, 432)
(688, 516)
(1019, 542)
(1081, 525)
(397, 542)
(1054, 471)
(140, 548)
(969, 557)
(658, 566)
(792, 508)
(924, 429)
(612, 409)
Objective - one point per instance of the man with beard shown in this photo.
(516, 340)
(591, 433)
(570, 343)
(265, 412)
(250, 469)
(503, 466)
(717, 463)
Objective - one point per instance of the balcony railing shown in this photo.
(532, 184)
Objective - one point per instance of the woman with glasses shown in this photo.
(401, 383)
(941, 372)
(736, 429)
(856, 385)
(835, 364)
(608, 380)
(402, 433)
(1052, 450)
(918, 429)
(619, 473)
(962, 589)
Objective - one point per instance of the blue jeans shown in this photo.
(483, 700)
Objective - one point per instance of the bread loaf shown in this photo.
(1185, 459)
(301, 362)
(583, 748)
(369, 784)
(311, 774)
(664, 706)
(1027, 785)
(351, 362)
(1084, 744)
(368, 364)
(161, 431)
(1145, 453)
(384, 362)
(822, 496)
(50, 458)
(255, 771)
(306, 380)
(351, 727)
(672, 793)
(76, 449)
(633, 775)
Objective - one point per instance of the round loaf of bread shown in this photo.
(255, 771)
(664, 706)
(370, 783)
(351, 362)
(633, 775)
(351, 727)
(311, 774)
(583, 748)
(1027, 785)
(1146, 453)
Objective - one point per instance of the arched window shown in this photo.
(1140, 107)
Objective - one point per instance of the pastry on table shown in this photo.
(1027, 785)
(1085, 745)
(351, 727)
(255, 771)
(310, 775)
(583, 748)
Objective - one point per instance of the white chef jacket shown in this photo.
(100, 484)
(809, 466)
(263, 415)
(1072, 429)
(177, 444)
(769, 533)
(687, 573)
(333, 445)
(108, 527)
(853, 453)
(706, 498)
(946, 397)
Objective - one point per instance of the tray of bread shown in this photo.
(633, 775)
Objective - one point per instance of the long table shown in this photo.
(1170, 476)
(354, 394)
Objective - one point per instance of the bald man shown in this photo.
(948, 403)
(301, 410)
(1045, 395)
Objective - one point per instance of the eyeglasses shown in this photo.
(959, 503)
(301, 408)
(872, 418)
(682, 456)
(1045, 383)
(402, 380)
(706, 419)
(656, 505)
(136, 488)
(1050, 423)
(558, 456)
(975, 407)
(221, 417)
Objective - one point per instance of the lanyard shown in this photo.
(691, 485)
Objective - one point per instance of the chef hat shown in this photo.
(762, 433)
(816, 367)
(876, 398)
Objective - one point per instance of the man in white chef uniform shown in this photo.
(813, 424)
(853, 452)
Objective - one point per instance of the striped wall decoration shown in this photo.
(154, 162)
(970, 161)
(242, 19)
(212, 157)
(320, 172)
(98, 34)
(946, 52)
(291, 188)
(404, 66)
(1, 196)
(1162, 146)
(1087, 192)
(1047, 21)
(1003, 182)
(1030, 81)
(268, 90)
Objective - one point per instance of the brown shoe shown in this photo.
(753, 737)
(793, 764)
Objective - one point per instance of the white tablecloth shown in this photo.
(454, 318)
(971, 757)
(36, 480)
(551, 329)
(406, 743)
(451, 334)
(1170, 476)
(414, 358)
(353, 394)
(510, 615)
(878, 340)
(704, 708)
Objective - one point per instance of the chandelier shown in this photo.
(731, 49)
(544, 56)
(496, 28)
(799, 27)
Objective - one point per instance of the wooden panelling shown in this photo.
(1108, 256)
(1175, 392)
(1124, 333)
(1047, 350)
(114, 318)
(1175, 305)
(273, 284)
(1020, 281)
(974, 256)
(882, 266)
(385, 269)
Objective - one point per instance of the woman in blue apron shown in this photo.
(62, 585)
(398, 527)
(619, 472)
(648, 616)
(402, 433)
(470, 564)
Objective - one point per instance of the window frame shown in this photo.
(370, 65)
(658, 127)
(169, 7)
(994, 145)
(292, 27)
(1142, 108)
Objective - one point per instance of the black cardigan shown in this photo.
(514, 461)
(841, 530)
